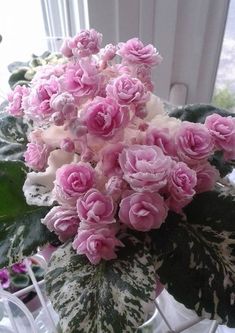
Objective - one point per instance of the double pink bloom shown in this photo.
(109, 162)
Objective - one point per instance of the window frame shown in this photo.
(188, 33)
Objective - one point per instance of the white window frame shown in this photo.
(63, 18)
(188, 33)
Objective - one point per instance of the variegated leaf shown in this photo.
(21, 230)
(113, 296)
(12, 137)
(197, 113)
(13, 129)
(197, 260)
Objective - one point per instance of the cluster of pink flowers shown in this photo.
(122, 163)
(6, 273)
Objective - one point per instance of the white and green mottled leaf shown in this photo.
(111, 297)
(13, 129)
(12, 137)
(21, 230)
(197, 260)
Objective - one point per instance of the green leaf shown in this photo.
(13, 129)
(223, 166)
(25, 82)
(21, 230)
(113, 296)
(14, 66)
(197, 257)
(38, 61)
(38, 272)
(197, 113)
(11, 151)
(20, 281)
(213, 210)
(13, 137)
(18, 75)
(45, 54)
(1, 312)
(3, 105)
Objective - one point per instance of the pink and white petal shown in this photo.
(38, 186)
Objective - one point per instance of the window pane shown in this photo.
(224, 94)
(22, 31)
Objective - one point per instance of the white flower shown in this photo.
(154, 107)
(164, 121)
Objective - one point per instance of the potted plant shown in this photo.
(134, 193)
(16, 278)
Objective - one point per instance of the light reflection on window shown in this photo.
(22, 31)
(224, 94)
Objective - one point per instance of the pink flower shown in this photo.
(160, 137)
(67, 145)
(4, 278)
(19, 267)
(145, 168)
(46, 89)
(65, 49)
(143, 211)
(222, 130)
(77, 128)
(96, 243)
(141, 112)
(81, 79)
(73, 180)
(144, 75)
(104, 117)
(108, 52)
(181, 186)
(15, 101)
(194, 143)
(207, 176)
(57, 118)
(87, 155)
(45, 72)
(36, 155)
(37, 103)
(124, 69)
(134, 51)
(126, 90)
(86, 43)
(109, 164)
(95, 207)
(115, 187)
(64, 105)
(36, 136)
(63, 221)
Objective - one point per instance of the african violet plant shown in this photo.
(16, 277)
(134, 194)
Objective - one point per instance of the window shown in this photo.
(224, 94)
(188, 33)
(23, 33)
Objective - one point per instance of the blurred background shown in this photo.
(195, 38)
